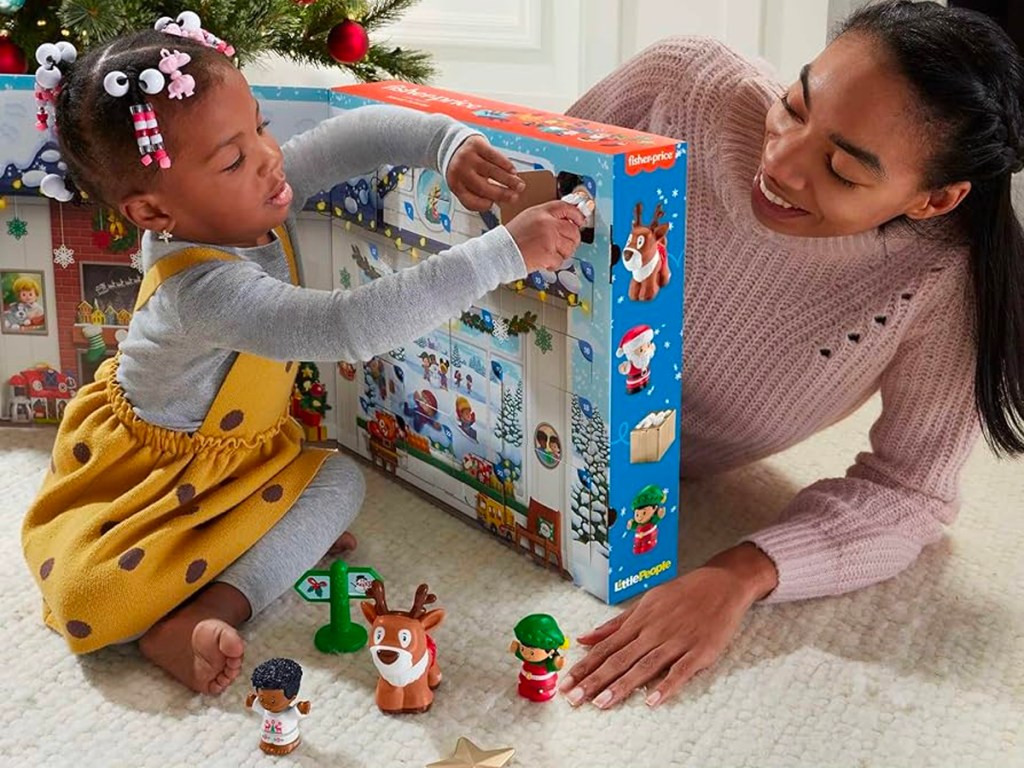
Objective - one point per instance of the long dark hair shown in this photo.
(95, 130)
(969, 78)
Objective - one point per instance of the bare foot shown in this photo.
(197, 645)
(345, 544)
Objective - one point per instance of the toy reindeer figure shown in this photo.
(646, 257)
(403, 652)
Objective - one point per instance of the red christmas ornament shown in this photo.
(348, 42)
(304, 3)
(12, 58)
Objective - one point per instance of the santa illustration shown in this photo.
(637, 346)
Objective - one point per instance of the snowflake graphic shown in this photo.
(17, 228)
(63, 256)
(500, 331)
(136, 257)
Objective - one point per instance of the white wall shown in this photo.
(545, 53)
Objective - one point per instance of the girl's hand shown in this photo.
(546, 234)
(250, 700)
(303, 707)
(681, 626)
(471, 170)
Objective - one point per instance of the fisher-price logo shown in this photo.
(429, 96)
(650, 160)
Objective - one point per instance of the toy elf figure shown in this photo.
(276, 686)
(648, 511)
(537, 644)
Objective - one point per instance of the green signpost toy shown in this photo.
(338, 586)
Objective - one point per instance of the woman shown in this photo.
(849, 234)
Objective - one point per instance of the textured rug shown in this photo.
(925, 670)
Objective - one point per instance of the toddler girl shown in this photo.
(180, 500)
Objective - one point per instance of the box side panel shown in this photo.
(647, 328)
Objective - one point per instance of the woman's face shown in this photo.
(845, 148)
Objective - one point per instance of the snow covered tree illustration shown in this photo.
(477, 364)
(509, 429)
(589, 493)
(457, 359)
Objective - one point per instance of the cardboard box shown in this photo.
(519, 415)
(652, 437)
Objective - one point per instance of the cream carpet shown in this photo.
(926, 670)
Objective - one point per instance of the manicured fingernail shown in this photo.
(567, 683)
(603, 700)
(575, 696)
(653, 699)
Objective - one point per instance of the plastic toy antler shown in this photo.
(423, 598)
(658, 213)
(376, 591)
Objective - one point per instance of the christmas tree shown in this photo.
(309, 399)
(325, 33)
(508, 429)
(589, 493)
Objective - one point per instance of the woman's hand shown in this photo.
(471, 171)
(682, 627)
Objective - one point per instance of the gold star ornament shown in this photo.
(469, 755)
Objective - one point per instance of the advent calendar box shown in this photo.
(522, 415)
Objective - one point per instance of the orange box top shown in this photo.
(523, 121)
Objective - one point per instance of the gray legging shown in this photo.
(318, 517)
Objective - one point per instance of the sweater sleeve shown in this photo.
(360, 140)
(675, 87)
(236, 305)
(842, 534)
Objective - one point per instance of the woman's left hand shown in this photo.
(471, 171)
(680, 627)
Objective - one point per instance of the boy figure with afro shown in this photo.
(276, 684)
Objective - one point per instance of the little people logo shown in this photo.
(650, 160)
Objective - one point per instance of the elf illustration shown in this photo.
(637, 346)
(648, 511)
(538, 644)
(276, 686)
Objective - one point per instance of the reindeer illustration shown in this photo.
(646, 257)
(403, 652)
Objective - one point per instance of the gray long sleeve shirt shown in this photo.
(180, 345)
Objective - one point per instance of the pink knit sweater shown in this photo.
(786, 336)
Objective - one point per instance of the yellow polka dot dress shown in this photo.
(132, 518)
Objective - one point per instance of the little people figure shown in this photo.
(537, 644)
(648, 511)
(276, 684)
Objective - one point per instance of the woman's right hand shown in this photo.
(547, 234)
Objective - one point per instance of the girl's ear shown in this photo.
(146, 213)
(939, 201)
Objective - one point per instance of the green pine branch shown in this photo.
(254, 27)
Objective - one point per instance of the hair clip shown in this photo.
(49, 75)
(147, 131)
(189, 26)
(54, 59)
(181, 86)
